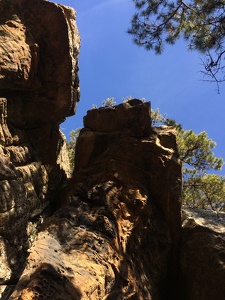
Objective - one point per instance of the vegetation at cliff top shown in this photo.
(71, 146)
(201, 23)
(200, 188)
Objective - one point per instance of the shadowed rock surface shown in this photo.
(203, 254)
(113, 231)
(118, 233)
(39, 87)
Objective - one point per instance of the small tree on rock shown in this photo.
(71, 146)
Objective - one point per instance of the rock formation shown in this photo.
(203, 255)
(39, 45)
(113, 231)
(117, 235)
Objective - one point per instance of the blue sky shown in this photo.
(112, 66)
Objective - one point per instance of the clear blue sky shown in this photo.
(112, 66)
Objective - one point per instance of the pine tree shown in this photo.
(201, 23)
(200, 188)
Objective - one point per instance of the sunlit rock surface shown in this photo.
(39, 88)
(117, 235)
(113, 231)
(39, 45)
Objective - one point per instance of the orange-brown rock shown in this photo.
(39, 45)
(117, 235)
(39, 87)
(203, 255)
(124, 117)
(113, 232)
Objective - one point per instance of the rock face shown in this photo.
(113, 231)
(39, 45)
(117, 234)
(203, 255)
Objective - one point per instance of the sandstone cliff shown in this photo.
(118, 233)
(203, 255)
(113, 231)
(39, 45)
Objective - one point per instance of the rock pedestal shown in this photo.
(117, 235)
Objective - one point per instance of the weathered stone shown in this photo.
(39, 87)
(203, 255)
(125, 117)
(39, 47)
(5, 270)
(5, 135)
(118, 233)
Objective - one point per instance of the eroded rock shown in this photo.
(39, 87)
(117, 235)
(123, 117)
(39, 48)
(203, 254)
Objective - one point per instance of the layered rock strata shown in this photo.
(117, 234)
(39, 45)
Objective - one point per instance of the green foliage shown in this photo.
(201, 23)
(109, 102)
(196, 151)
(71, 146)
(206, 192)
(200, 189)
(157, 117)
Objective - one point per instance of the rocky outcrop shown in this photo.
(39, 87)
(39, 45)
(113, 231)
(203, 255)
(117, 234)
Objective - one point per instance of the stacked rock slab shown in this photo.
(39, 45)
(117, 234)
